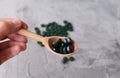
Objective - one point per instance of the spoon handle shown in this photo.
(30, 34)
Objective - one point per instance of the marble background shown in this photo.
(96, 30)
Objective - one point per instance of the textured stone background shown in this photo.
(96, 30)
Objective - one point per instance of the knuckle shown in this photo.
(3, 24)
(25, 40)
(19, 22)
(23, 46)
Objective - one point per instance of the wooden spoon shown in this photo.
(47, 41)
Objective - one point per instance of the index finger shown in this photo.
(16, 21)
(10, 25)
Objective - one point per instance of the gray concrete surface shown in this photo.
(96, 30)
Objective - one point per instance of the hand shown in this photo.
(16, 43)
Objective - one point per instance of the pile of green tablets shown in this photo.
(63, 46)
(55, 29)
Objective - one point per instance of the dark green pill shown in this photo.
(65, 21)
(49, 27)
(43, 25)
(40, 43)
(71, 58)
(54, 44)
(69, 27)
(62, 44)
(69, 40)
(69, 24)
(44, 33)
(50, 24)
(64, 50)
(54, 23)
(59, 41)
(37, 30)
(65, 34)
(64, 60)
(51, 33)
(69, 49)
(65, 28)
(61, 50)
(47, 34)
(65, 41)
(56, 50)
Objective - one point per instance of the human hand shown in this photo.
(16, 43)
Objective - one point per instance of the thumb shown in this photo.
(9, 25)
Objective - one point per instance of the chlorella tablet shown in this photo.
(64, 60)
(63, 46)
(71, 58)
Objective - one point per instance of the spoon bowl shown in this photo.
(51, 39)
(47, 41)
